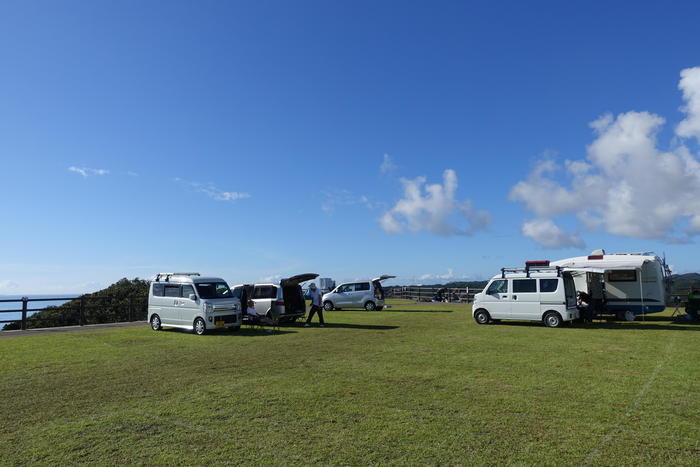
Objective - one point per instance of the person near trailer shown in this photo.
(597, 297)
(316, 306)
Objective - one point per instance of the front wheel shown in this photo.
(552, 319)
(155, 323)
(370, 306)
(482, 317)
(328, 306)
(199, 326)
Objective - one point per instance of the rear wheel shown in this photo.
(482, 317)
(328, 306)
(629, 316)
(155, 323)
(552, 319)
(199, 326)
(370, 306)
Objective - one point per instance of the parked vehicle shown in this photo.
(634, 283)
(188, 301)
(537, 292)
(363, 294)
(286, 296)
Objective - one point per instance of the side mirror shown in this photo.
(192, 297)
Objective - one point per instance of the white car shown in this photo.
(360, 294)
(537, 292)
(188, 301)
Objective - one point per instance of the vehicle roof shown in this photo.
(614, 261)
(189, 280)
(523, 275)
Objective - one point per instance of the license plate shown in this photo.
(219, 324)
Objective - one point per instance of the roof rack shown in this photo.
(165, 276)
(528, 269)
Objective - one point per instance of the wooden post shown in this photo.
(25, 300)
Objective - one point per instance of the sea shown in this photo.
(4, 306)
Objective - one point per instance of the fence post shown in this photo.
(82, 312)
(130, 315)
(25, 300)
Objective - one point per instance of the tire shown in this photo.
(370, 306)
(155, 323)
(629, 316)
(379, 308)
(199, 327)
(552, 319)
(328, 306)
(482, 316)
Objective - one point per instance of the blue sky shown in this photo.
(255, 140)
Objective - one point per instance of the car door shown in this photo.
(188, 308)
(263, 295)
(496, 299)
(171, 305)
(343, 294)
(525, 299)
(359, 295)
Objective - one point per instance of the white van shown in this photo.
(188, 301)
(536, 292)
(359, 294)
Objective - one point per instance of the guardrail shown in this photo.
(77, 311)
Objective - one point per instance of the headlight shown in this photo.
(209, 308)
(235, 306)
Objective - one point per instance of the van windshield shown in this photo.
(213, 290)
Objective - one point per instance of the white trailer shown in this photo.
(634, 283)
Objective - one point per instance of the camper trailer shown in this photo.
(633, 283)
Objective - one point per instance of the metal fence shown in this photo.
(77, 311)
(429, 294)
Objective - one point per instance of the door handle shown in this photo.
(515, 297)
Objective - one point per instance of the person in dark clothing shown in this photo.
(316, 307)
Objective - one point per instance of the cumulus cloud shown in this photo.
(213, 191)
(627, 185)
(387, 164)
(433, 208)
(342, 197)
(448, 275)
(87, 171)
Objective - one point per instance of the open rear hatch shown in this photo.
(294, 303)
(378, 290)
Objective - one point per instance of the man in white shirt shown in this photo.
(315, 306)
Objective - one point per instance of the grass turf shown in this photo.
(416, 384)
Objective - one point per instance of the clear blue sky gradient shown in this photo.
(295, 104)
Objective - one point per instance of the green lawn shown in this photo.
(417, 384)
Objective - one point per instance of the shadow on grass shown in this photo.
(244, 331)
(375, 327)
(418, 311)
(623, 326)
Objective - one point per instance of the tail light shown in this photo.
(279, 303)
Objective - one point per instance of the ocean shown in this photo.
(18, 305)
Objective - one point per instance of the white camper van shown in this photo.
(188, 301)
(634, 283)
(537, 292)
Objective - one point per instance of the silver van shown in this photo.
(286, 298)
(188, 301)
(534, 293)
(360, 294)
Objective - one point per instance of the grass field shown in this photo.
(417, 384)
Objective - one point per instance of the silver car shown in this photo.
(286, 298)
(360, 294)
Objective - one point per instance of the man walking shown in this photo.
(315, 306)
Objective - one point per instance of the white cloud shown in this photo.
(339, 198)
(87, 171)
(387, 164)
(8, 286)
(627, 185)
(433, 208)
(274, 278)
(548, 234)
(690, 85)
(449, 275)
(213, 192)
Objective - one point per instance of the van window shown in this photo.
(622, 275)
(158, 290)
(187, 290)
(172, 291)
(524, 285)
(361, 286)
(213, 290)
(498, 286)
(549, 285)
(265, 291)
(346, 288)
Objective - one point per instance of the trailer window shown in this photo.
(623, 275)
(524, 285)
(548, 285)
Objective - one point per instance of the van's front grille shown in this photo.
(227, 319)
(220, 309)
